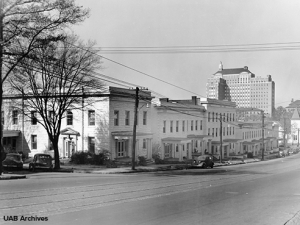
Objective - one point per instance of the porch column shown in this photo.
(180, 152)
(163, 150)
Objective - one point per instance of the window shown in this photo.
(33, 118)
(177, 126)
(213, 132)
(216, 132)
(171, 126)
(213, 117)
(15, 116)
(33, 142)
(91, 117)
(183, 125)
(127, 117)
(116, 118)
(91, 144)
(164, 126)
(144, 118)
(192, 125)
(196, 125)
(208, 131)
(208, 116)
(144, 143)
(69, 118)
(200, 124)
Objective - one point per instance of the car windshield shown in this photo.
(14, 157)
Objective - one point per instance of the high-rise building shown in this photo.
(241, 86)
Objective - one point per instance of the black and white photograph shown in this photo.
(150, 112)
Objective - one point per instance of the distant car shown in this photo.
(281, 154)
(290, 151)
(13, 160)
(41, 161)
(203, 162)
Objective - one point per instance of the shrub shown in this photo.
(79, 157)
(142, 161)
(87, 158)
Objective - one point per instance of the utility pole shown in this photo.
(221, 136)
(263, 136)
(1, 88)
(284, 131)
(134, 126)
(82, 119)
(298, 137)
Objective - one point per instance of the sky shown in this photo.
(214, 24)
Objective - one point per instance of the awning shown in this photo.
(69, 131)
(11, 133)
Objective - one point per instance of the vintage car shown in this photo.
(13, 160)
(41, 161)
(203, 161)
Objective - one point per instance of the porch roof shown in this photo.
(128, 133)
(232, 140)
(69, 131)
(219, 143)
(11, 133)
(248, 143)
(177, 140)
(196, 136)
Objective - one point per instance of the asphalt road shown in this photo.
(257, 193)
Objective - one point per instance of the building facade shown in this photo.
(243, 87)
(103, 123)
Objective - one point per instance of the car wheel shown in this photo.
(204, 166)
(212, 166)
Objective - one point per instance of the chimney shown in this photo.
(194, 100)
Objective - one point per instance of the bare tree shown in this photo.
(25, 24)
(51, 81)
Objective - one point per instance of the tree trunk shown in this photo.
(56, 154)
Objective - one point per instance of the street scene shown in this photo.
(256, 193)
(149, 112)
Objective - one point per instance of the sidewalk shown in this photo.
(75, 168)
(148, 168)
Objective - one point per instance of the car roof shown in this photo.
(12, 154)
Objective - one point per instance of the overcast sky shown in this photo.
(166, 23)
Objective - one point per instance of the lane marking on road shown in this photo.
(232, 192)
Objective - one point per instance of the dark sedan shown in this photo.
(13, 160)
(41, 161)
(203, 162)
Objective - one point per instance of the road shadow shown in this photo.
(205, 172)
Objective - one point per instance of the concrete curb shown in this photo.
(11, 177)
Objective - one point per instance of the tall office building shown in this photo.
(241, 86)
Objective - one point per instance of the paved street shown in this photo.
(257, 193)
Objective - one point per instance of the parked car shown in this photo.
(281, 154)
(13, 160)
(203, 162)
(41, 161)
